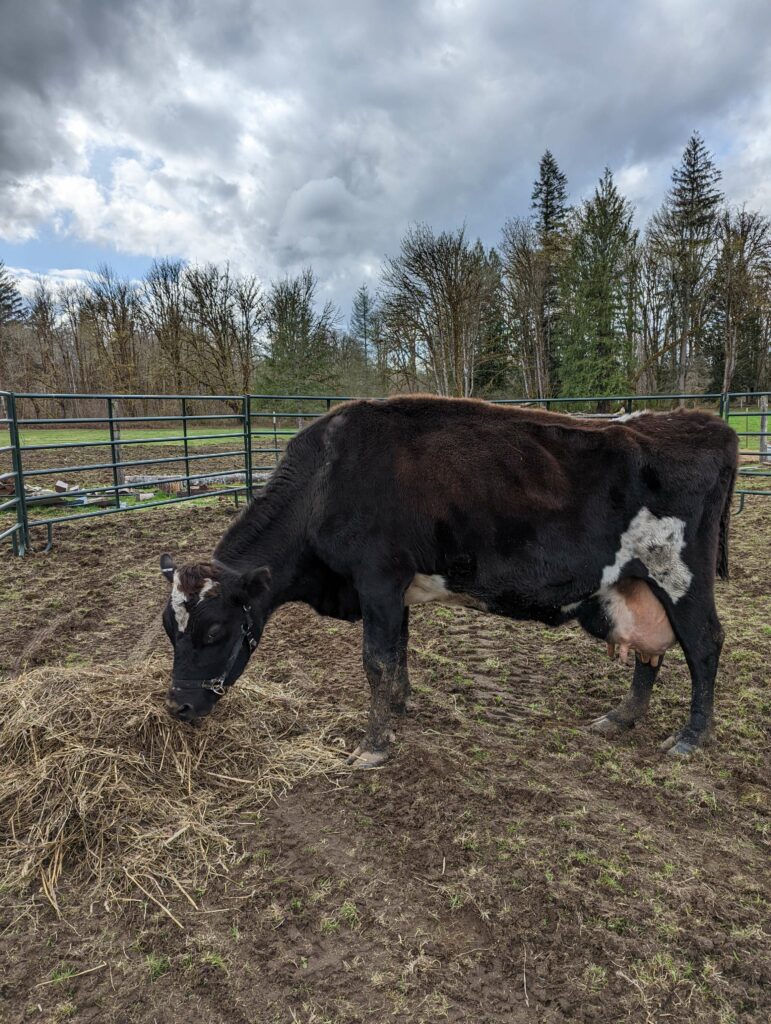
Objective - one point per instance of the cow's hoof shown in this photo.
(607, 726)
(678, 745)
(367, 758)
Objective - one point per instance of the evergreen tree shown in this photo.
(301, 338)
(685, 234)
(363, 327)
(11, 302)
(550, 214)
(596, 294)
(549, 200)
(491, 371)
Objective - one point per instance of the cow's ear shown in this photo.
(167, 567)
(255, 581)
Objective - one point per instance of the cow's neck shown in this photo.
(271, 531)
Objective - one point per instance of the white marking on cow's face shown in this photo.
(179, 597)
(658, 544)
(434, 588)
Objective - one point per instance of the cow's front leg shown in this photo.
(634, 705)
(382, 632)
(401, 690)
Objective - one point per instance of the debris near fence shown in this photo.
(101, 788)
(198, 484)
(65, 495)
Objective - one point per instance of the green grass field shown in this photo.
(742, 422)
(196, 438)
(748, 422)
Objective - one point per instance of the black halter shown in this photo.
(218, 684)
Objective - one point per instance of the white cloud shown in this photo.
(27, 281)
(277, 136)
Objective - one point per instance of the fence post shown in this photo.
(763, 446)
(18, 480)
(248, 447)
(186, 446)
(117, 473)
(275, 436)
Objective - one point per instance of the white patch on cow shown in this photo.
(178, 598)
(208, 586)
(568, 609)
(434, 588)
(625, 417)
(658, 544)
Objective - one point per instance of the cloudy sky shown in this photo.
(279, 134)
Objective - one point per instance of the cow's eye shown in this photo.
(213, 633)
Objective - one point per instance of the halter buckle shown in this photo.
(215, 685)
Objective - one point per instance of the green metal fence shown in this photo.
(254, 430)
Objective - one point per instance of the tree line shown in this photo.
(575, 300)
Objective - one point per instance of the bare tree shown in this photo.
(225, 315)
(163, 316)
(524, 281)
(436, 292)
(110, 308)
(742, 283)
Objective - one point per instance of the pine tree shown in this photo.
(363, 316)
(11, 302)
(549, 199)
(301, 337)
(595, 295)
(686, 237)
(491, 371)
(550, 214)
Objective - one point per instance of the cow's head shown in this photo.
(214, 618)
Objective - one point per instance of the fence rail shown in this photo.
(254, 430)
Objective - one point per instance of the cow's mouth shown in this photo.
(184, 711)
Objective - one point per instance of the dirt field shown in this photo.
(505, 866)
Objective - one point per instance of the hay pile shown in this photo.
(99, 786)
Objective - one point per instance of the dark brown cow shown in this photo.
(379, 505)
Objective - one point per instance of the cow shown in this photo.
(380, 505)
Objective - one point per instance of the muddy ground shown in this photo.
(506, 866)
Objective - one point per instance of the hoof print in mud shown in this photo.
(367, 758)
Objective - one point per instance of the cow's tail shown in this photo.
(725, 521)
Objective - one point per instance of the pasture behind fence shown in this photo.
(214, 445)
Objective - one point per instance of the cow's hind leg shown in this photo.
(634, 706)
(383, 617)
(700, 635)
(401, 690)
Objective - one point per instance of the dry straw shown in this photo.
(99, 787)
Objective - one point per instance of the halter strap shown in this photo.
(217, 684)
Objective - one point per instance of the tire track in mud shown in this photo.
(39, 639)
(502, 691)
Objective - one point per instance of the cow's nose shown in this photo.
(182, 711)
